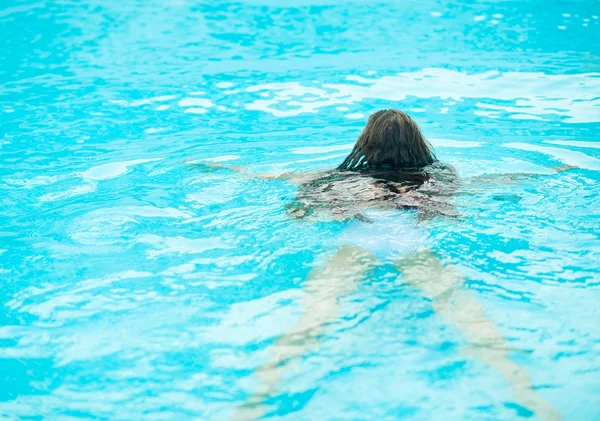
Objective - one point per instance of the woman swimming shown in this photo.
(389, 184)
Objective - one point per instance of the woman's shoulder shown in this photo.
(442, 177)
(439, 168)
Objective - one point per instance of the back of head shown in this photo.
(391, 140)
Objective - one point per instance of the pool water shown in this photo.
(136, 287)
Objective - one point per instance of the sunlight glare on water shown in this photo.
(135, 286)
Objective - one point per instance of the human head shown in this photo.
(391, 139)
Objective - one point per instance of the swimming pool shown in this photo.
(136, 288)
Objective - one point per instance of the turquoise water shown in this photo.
(134, 287)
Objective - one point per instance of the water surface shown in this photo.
(136, 288)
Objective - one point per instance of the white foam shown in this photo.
(219, 193)
(289, 88)
(41, 180)
(504, 166)
(153, 99)
(114, 169)
(449, 143)
(355, 116)
(85, 188)
(149, 212)
(196, 102)
(525, 117)
(312, 150)
(195, 110)
(223, 158)
(573, 96)
(489, 114)
(576, 143)
(152, 130)
(179, 245)
(106, 226)
(145, 101)
(574, 158)
(308, 99)
(225, 85)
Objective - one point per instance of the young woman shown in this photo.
(387, 186)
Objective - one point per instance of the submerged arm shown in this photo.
(508, 178)
(292, 177)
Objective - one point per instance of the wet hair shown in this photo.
(391, 165)
(391, 140)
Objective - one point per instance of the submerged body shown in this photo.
(342, 195)
(384, 207)
(387, 186)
